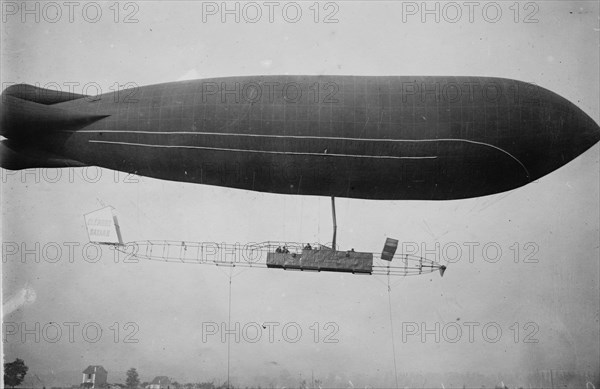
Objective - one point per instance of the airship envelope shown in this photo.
(387, 138)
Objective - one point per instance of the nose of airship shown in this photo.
(588, 132)
(577, 132)
(557, 133)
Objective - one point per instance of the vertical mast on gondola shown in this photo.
(333, 245)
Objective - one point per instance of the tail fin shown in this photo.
(28, 111)
(13, 156)
(23, 119)
(40, 95)
(30, 121)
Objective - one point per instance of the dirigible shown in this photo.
(384, 137)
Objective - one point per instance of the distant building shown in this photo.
(160, 382)
(94, 376)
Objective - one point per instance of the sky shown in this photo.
(540, 290)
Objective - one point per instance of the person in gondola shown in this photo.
(308, 247)
(279, 250)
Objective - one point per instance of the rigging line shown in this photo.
(191, 147)
(243, 270)
(378, 280)
(392, 328)
(228, 327)
(397, 282)
(208, 263)
(330, 138)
